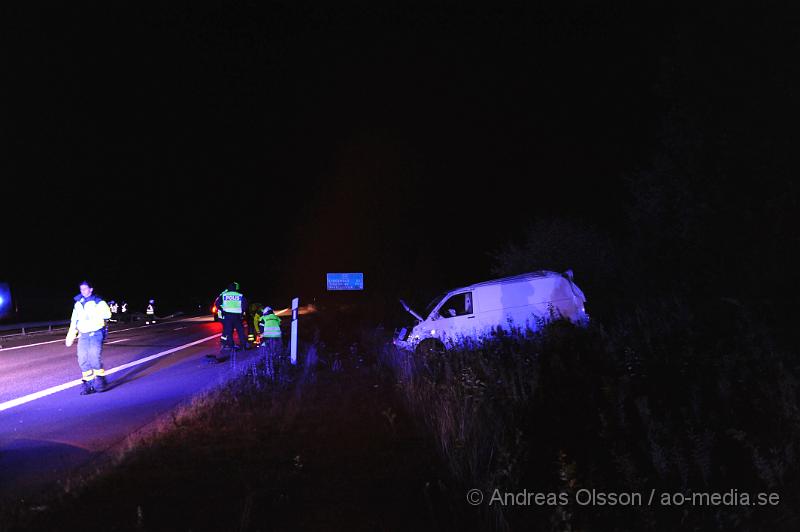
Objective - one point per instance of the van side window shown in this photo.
(457, 305)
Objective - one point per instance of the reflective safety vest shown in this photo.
(150, 310)
(114, 308)
(124, 307)
(231, 302)
(271, 325)
(89, 315)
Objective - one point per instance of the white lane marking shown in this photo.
(118, 341)
(55, 389)
(179, 328)
(32, 345)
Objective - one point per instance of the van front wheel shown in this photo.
(430, 347)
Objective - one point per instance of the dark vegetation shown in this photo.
(658, 401)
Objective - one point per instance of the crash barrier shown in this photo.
(27, 328)
(46, 326)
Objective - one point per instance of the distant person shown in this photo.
(231, 304)
(124, 311)
(271, 332)
(114, 310)
(150, 312)
(88, 323)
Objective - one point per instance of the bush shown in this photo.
(660, 399)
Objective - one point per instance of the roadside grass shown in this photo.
(361, 436)
(325, 445)
(662, 399)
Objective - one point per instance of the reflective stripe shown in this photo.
(100, 372)
(88, 375)
(272, 332)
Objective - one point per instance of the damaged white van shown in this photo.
(478, 310)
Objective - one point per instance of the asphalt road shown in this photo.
(48, 430)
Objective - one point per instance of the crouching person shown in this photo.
(88, 325)
(271, 332)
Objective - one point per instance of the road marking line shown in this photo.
(179, 328)
(62, 341)
(61, 387)
(117, 341)
(32, 345)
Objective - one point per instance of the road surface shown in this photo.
(48, 430)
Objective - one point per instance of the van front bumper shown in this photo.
(405, 340)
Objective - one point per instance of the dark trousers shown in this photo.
(229, 322)
(273, 346)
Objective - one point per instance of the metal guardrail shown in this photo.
(33, 325)
(27, 328)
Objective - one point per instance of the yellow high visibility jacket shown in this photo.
(271, 325)
(88, 315)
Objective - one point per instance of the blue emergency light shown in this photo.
(6, 308)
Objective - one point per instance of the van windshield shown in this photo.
(432, 304)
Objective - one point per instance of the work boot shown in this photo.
(100, 384)
(87, 388)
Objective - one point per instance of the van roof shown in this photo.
(521, 277)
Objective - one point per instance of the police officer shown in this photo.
(150, 311)
(88, 323)
(231, 304)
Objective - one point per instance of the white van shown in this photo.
(478, 310)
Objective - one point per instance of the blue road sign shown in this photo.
(345, 281)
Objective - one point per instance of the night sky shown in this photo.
(164, 151)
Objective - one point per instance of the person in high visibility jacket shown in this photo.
(124, 310)
(254, 324)
(271, 332)
(114, 310)
(150, 311)
(232, 304)
(88, 325)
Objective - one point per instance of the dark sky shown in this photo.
(170, 150)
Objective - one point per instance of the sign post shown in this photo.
(295, 304)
